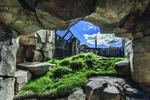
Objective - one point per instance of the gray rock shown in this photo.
(97, 89)
(77, 95)
(132, 91)
(29, 53)
(116, 89)
(42, 35)
(122, 68)
(39, 46)
(20, 54)
(102, 88)
(51, 37)
(111, 93)
(22, 77)
(38, 57)
(8, 51)
(36, 68)
(7, 88)
(141, 62)
(48, 50)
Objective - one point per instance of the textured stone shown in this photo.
(141, 62)
(24, 40)
(27, 40)
(38, 56)
(48, 50)
(122, 68)
(39, 46)
(42, 35)
(8, 51)
(7, 88)
(77, 95)
(51, 35)
(29, 53)
(137, 23)
(20, 54)
(102, 88)
(36, 68)
(22, 77)
(111, 93)
(112, 88)
(51, 15)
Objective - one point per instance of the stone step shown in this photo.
(36, 68)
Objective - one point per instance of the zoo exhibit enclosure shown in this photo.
(132, 16)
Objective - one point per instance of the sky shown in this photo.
(86, 32)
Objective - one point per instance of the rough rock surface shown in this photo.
(7, 88)
(36, 47)
(36, 68)
(122, 68)
(77, 95)
(111, 88)
(9, 44)
(137, 23)
(30, 15)
(8, 57)
(21, 78)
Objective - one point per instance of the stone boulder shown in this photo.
(122, 68)
(27, 40)
(38, 56)
(22, 77)
(77, 95)
(101, 88)
(36, 68)
(8, 51)
(36, 47)
(7, 88)
(112, 88)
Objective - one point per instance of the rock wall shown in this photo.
(137, 23)
(14, 49)
(27, 16)
(9, 44)
(36, 47)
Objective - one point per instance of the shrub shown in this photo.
(77, 65)
(38, 85)
(60, 71)
(89, 63)
(64, 62)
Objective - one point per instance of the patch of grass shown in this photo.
(77, 65)
(60, 71)
(70, 73)
(65, 62)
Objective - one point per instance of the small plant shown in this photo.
(89, 62)
(60, 71)
(64, 62)
(77, 65)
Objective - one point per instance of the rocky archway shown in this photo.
(104, 13)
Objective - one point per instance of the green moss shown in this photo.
(70, 73)
(77, 65)
(60, 71)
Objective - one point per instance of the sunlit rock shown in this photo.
(21, 78)
(7, 88)
(36, 68)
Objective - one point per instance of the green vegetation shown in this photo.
(70, 73)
